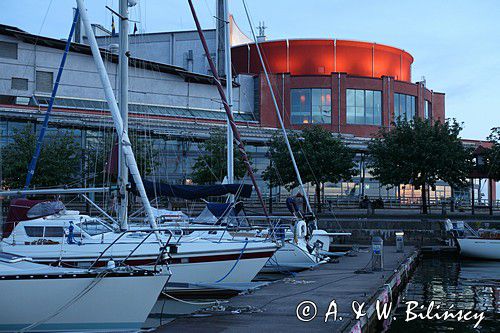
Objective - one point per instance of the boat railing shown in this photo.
(164, 246)
(123, 233)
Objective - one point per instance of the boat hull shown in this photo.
(480, 248)
(290, 258)
(234, 263)
(111, 303)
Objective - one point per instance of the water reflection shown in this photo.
(467, 285)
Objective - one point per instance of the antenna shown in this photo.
(262, 31)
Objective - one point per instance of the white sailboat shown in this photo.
(193, 261)
(297, 251)
(41, 298)
(482, 244)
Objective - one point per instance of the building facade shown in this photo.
(351, 88)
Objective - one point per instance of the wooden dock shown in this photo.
(273, 308)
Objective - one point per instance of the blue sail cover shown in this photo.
(193, 192)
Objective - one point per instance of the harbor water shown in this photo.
(468, 285)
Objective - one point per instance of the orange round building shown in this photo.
(347, 86)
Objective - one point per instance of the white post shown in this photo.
(229, 94)
(122, 165)
(115, 112)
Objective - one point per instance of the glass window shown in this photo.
(94, 227)
(427, 110)
(311, 106)
(364, 107)
(405, 107)
(19, 83)
(44, 81)
(34, 231)
(54, 231)
(8, 50)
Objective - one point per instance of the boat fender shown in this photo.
(300, 230)
(111, 264)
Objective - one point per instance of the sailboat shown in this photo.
(297, 251)
(44, 234)
(481, 244)
(39, 298)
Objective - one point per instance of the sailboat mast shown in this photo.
(229, 91)
(280, 118)
(123, 71)
(117, 119)
(227, 108)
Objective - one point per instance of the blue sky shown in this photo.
(455, 43)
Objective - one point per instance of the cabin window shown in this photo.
(34, 231)
(54, 231)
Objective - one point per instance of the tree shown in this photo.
(420, 153)
(493, 155)
(320, 158)
(58, 163)
(211, 166)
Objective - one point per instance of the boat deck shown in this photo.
(273, 307)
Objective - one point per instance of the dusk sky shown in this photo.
(456, 44)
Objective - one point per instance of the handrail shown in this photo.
(150, 232)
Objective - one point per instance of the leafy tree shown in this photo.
(420, 153)
(211, 166)
(320, 158)
(493, 155)
(58, 163)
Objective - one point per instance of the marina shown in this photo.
(275, 307)
(215, 180)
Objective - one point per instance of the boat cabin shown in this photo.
(49, 222)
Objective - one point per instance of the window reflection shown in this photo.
(405, 107)
(427, 110)
(364, 107)
(311, 106)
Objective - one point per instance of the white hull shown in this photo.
(290, 258)
(113, 303)
(230, 271)
(480, 248)
(195, 263)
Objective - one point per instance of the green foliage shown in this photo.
(58, 163)
(420, 153)
(211, 166)
(493, 156)
(320, 158)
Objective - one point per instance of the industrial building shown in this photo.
(351, 88)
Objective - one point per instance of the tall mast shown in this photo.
(227, 108)
(117, 119)
(123, 70)
(223, 24)
(280, 118)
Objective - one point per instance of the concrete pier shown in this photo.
(273, 308)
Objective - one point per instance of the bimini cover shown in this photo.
(193, 192)
(21, 209)
(223, 214)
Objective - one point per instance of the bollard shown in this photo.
(400, 241)
(377, 254)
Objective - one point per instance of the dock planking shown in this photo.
(273, 307)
